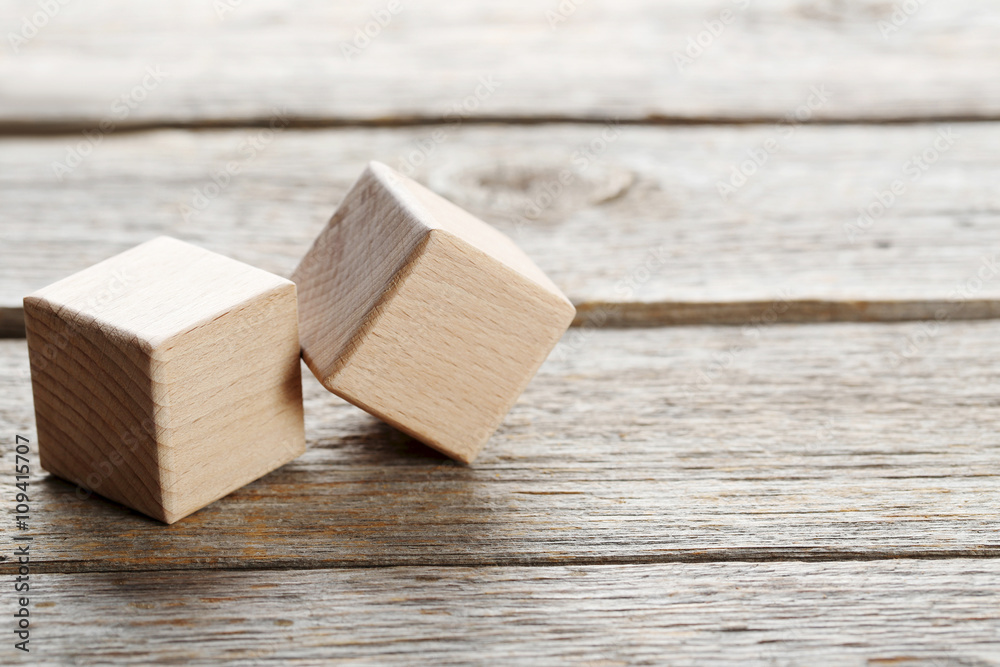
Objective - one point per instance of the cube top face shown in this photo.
(158, 289)
(435, 212)
(166, 419)
(423, 315)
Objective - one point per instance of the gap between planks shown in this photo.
(693, 556)
(44, 128)
(598, 314)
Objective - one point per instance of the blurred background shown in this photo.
(651, 156)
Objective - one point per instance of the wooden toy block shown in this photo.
(165, 377)
(423, 315)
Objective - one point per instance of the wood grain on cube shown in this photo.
(165, 377)
(423, 315)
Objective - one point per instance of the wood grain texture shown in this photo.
(640, 235)
(642, 470)
(913, 613)
(647, 445)
(606, 59)
(165, 377)
(423, 315)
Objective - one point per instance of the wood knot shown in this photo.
(533, 192)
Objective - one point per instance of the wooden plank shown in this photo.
(636, 445)
(608, 58)
(639, 234)
(919, 613)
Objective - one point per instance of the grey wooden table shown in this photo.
(771, 437)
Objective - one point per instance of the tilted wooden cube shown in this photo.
(422, 314)
(166, 377)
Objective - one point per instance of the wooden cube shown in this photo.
(422, 314)
(166, 377)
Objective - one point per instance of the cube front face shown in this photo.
(449, 351)
(231, 397)
(166, 424)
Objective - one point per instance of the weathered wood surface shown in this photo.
(914, 613)
(609, 58)
(641, 445)
(640, 235)
(643, 468)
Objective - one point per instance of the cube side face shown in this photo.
(231, 397)
(350, 265)
(448, 353)
(94, 406)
